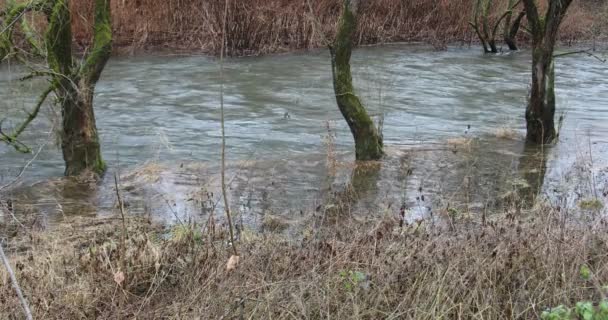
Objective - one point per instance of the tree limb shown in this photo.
(588, 52)
(517, 24)
(555, 14)
(533, 18)
(102, 43)
(59, 39)
(34, 113)
(480, 36)
(22, 171)
(12, 138)
(18, 145)
(502, 17)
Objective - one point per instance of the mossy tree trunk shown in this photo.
(72, 82)
(74, 85)
(368, 141)
(540, 111)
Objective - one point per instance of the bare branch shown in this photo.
(502, 17)
(588, 52)
(24, 304)
(18, 145)
(517, 24)
(22, 171)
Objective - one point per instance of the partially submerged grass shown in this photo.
(507, 133)
(514, 265)
(591, 204)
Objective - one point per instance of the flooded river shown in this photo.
(453, 127)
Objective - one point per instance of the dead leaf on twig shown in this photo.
(232, 262)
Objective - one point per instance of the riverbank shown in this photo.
(517, 263)
(272, 26)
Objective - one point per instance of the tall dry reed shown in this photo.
(266, 26)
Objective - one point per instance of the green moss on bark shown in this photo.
(13, 13)
(368, 141)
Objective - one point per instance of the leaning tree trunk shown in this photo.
(368, 141)
(511, 28)
(75, 87)
(540, 111)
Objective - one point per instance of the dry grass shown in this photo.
(507, 133)
(464, 143)
(268, 26)
(265, 26)
(513, 266)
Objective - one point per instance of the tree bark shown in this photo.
(540, 111)
(541, 106)
(368, 141)
(79, 138)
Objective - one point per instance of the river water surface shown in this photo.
(453, 125)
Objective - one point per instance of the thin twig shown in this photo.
(223, 173)
(24, 304)
(24, 167)
(588, 52)
(316, 25)
(123, 236)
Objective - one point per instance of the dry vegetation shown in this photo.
(514, 265)
(265, 26)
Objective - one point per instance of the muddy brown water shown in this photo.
(453, 132)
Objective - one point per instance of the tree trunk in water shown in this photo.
(75, 87)
(511, 44)
(541, 106)
(79, 139)
(368, 141)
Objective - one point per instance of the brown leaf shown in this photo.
(119, 277)
(232, 262)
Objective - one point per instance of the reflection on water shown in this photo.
(476, 176)
(158, 120)
(532, 168)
